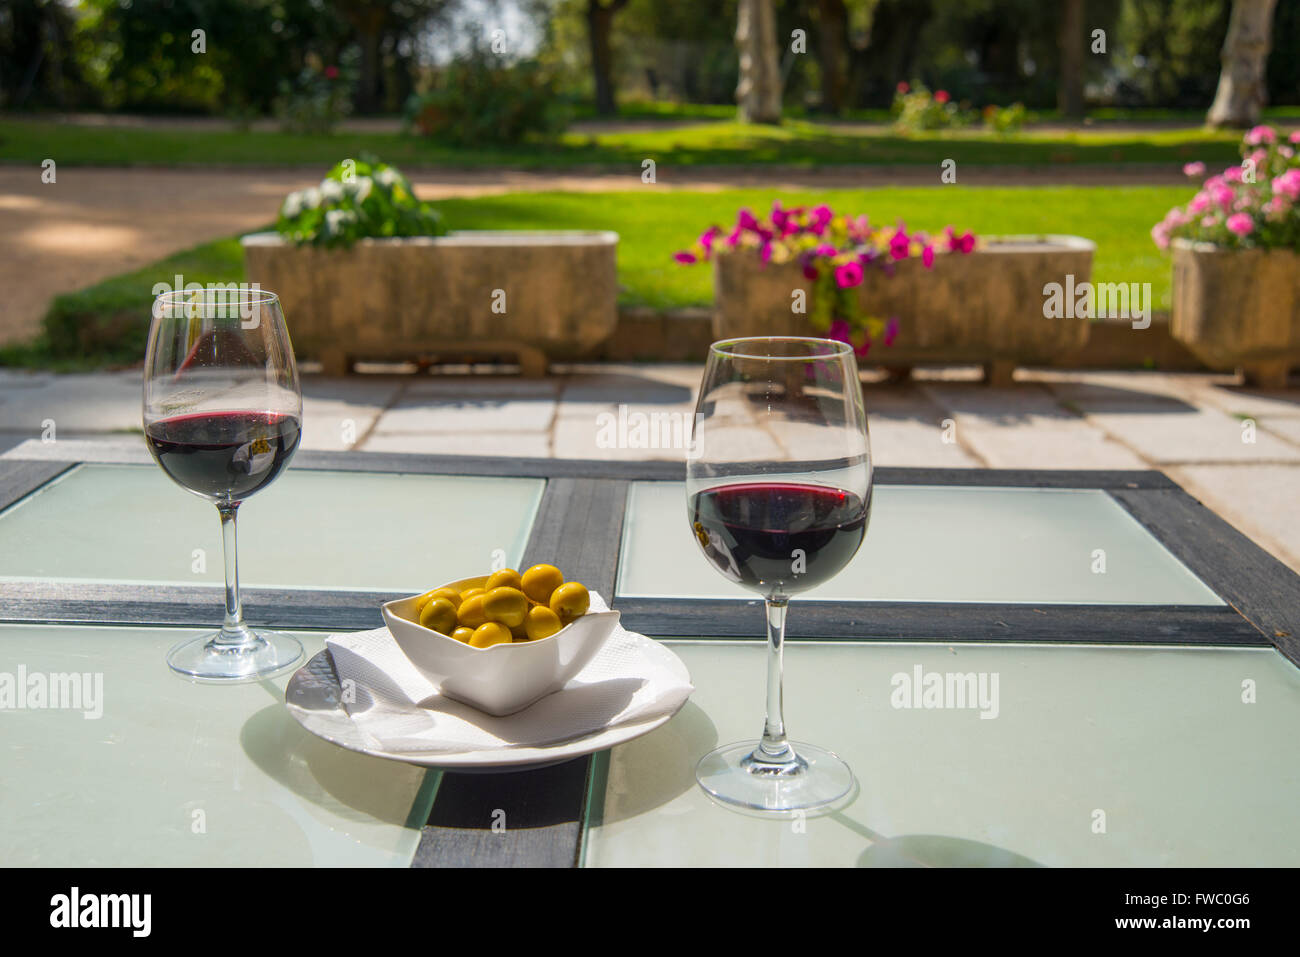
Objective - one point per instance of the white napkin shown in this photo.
(397, 709)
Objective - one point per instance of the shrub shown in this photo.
(481, 100)
(357, 199)
(316, 101)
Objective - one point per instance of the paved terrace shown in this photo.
(1236, 449)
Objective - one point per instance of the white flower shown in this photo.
(331, 190)
(387, 177)
(359, 188)
(292, 206)
(336, 219)
(310, 197)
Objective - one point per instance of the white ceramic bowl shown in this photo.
(500, 679)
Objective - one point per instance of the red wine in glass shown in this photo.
(778, 494)
(224, 455)
(222, 417)
(779, 538)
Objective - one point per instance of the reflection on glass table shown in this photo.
(941, 543)
(1051, 755)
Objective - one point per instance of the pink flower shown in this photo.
(1223, 196)
(685, 258)
(1288, 185)
(1200, 203)
(891, 330)
(765, 252)
(1232, 174)
(1294, 137)
(839, 331)
(964, 243)
(706, 239)
(1240, 223)
(1209, 222)
(1194, 169)
(1160, 235)
(746, 220)
(332, 72)
(809, 271)
(941, 96)
(902, 88)
(826, 249)
(863, 347)
(848, 275)
(927, 257)
(1261, 134)
(898, 245)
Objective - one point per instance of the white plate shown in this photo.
(313, 695)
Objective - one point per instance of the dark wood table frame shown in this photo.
(579, 526)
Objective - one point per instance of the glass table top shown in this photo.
(311, 529)
(939, 543)
(1097, 756)
(174, 773)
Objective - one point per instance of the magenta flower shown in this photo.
(826, 249)
(863, 347)
(685, 258)
(1194, 169)
(765, 252)
(840, 331)
(1261, 134)
(1240, 224)
(848, 275)
(746, 220)
(898, 245)
(706, 239)
(891, 330)
(332, 72)
(927, 257)
(809, 271)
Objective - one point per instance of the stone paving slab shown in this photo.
(1263, 501)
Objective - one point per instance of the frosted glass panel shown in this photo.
(1156, 739)
(181, 774)
(318, 529)
(939, 543)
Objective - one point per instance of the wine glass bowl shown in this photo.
(222, 416)
(779, 499)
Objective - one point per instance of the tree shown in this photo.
(1242, 89)
(833, 52)
(758, 94)
(1069, 91)
(600, 22)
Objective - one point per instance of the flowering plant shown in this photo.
(834, 252)
(316, 101)
(356, 199)
(1253, 205)
(915, 108)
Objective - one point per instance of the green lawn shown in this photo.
(653, 223)
(797, 142)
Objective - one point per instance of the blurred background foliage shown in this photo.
(136, 55)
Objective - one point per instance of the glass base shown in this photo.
(205, 658)
(815, 778)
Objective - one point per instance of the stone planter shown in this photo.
(985, 307)
(534, 295)
(1238, 309)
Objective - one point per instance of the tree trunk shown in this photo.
(600, 23)
(832, 22)
(891, 49)
(1242, 88)
(1069, 92)
(758, 94)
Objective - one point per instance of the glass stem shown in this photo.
(774, 748)
(233, 629)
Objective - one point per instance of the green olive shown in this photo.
(507, 578)
(542, 622)
(570, 601)
(440, 615)
(540, 581)
(506, 605)
(470, 614)
(490, 633)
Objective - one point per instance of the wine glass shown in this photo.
(778, 490)
(222, 416)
